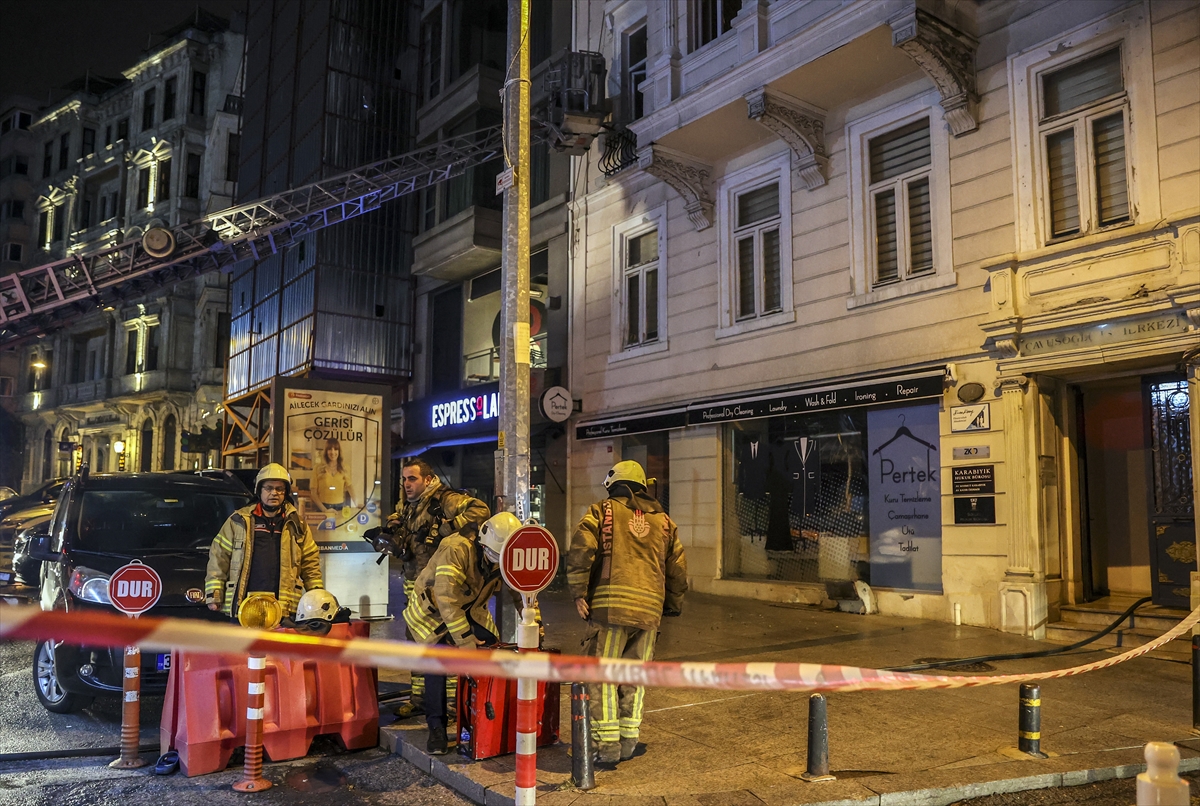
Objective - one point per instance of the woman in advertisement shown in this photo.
(331, 483)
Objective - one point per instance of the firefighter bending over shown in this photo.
(625, 570)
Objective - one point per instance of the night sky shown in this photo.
(46, 43)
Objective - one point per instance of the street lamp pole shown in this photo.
(513, 446)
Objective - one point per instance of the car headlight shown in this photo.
(89, 585)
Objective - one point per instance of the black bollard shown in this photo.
(1029, 729)
(1196, 684)
(818, 741)
(582, 776)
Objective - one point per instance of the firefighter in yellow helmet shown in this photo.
(449, 605)
(625, 570)
(265, 546)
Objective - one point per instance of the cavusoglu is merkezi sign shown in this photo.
(465, 410)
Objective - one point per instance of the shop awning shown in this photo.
(420, 448)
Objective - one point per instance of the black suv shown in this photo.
(101, 522)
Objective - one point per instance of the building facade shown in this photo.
(900, 293)
(158, 146)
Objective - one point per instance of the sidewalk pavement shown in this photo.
(728, 748)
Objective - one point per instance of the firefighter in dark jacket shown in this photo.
(625, 570)
(431, 511)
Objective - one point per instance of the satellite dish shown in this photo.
(158, 242)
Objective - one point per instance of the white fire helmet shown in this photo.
(628, 470)
(272, 472)
(315, 611)
(495, 533)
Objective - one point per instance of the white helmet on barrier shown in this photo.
(272, 472)
(315, 611)
(628, 470)
(495, 533)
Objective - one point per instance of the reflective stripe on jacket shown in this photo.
(231, 552)
(643, 569)
(451, 587)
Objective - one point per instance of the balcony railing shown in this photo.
(484, 365)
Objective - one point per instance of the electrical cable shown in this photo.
(73, 752)
(1041, 653)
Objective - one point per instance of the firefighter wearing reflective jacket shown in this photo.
(263, 547)
(625, 570)
(430, 512)
(450, 605)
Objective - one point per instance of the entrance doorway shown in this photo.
(1136, 489)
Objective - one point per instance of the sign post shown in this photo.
(133, 589)
(528, 563)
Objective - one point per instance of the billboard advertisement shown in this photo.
(904, 470)
(331, 439)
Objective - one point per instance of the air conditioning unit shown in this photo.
(575, 107)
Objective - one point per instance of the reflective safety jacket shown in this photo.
(627, 562)
(453, 585)
(233, 548)
(439, 512)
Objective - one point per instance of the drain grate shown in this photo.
(951, 665)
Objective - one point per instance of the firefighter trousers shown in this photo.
(616, 710)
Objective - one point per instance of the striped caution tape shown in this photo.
(102, 629)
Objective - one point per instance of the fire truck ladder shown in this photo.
(35, 301)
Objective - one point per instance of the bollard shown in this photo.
(1029, 729)
(252, 780)
(582, 775)
(527, 714)
(131, 711)
(818, 741)
(1160, 784)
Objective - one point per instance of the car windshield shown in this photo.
(135, 522)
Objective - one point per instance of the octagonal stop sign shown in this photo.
(134, 588)
(530, 559)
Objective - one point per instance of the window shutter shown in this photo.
(920, 227)
(745, 254)
(1112, 192)
(900, 151)
(758, 204)
(886, 257)
(652, 305)
(1064, 188)
(1082, 83)
(772, 293)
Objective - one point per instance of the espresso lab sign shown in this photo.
(904, 486)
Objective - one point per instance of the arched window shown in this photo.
(47, 454)
(168, 440)
(147, 448)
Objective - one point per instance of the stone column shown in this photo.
(752, 25)
(1023, 589)
(664, 74)
(1191, 366)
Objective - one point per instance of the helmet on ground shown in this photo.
(272, 472)
(315, 611)
(495, 533)
(628, 470)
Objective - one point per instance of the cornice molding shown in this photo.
(801, 126)
(689, 177)
(947, 56)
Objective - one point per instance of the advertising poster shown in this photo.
(332, 444)
(903, 460)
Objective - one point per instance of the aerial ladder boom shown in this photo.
(34, 301)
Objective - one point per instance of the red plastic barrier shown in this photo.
(204, 713)
(487, 708)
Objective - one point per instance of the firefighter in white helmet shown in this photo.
(265, 546)
(625, 570)
(449, 605)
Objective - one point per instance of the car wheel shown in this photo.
(46, 683)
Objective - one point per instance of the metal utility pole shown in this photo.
(512, 471)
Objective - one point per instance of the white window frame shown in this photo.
(859, 134)
(1131, 31)
(628, 89)
(776, 168)
(622, 234)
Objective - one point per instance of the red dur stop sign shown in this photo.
(134, 588)
(530, 559)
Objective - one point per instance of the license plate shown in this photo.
(163, 662)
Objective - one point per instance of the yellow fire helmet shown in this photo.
(272, 472)
(260, 611)
(628, 470)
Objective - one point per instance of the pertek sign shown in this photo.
(530, 559)
(465, 410)
(134, 588)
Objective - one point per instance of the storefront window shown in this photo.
(652, 453)
(482, 323)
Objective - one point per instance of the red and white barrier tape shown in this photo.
(102, 629)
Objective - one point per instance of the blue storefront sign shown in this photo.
(903, 461)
